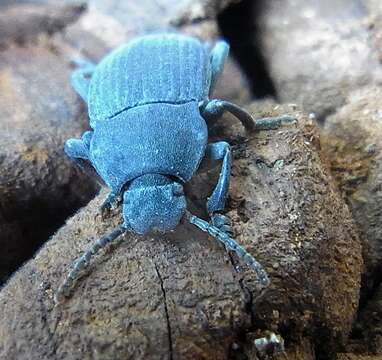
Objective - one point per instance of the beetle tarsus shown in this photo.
(271, 123)
(222, 222)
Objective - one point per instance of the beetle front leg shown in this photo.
(111, 202)
(216, 202)
(79, 148)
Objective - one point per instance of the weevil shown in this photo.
(149, 105)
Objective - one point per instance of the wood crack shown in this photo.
(166, 312)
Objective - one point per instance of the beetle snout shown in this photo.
(153, 203)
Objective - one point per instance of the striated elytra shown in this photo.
(149, 106)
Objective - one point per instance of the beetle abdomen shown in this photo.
(158, 68)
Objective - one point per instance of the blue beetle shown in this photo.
(148, 105)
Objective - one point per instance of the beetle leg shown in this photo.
(222, 222)
(81, 79)
(231, 244)
(216, 202)
(79, 148)
(214, 109)
(270, 123)
(78, 151)
(111, 202)
(217, 58)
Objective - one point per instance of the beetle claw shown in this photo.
(223, 223)
(110, 204)
(105, 210)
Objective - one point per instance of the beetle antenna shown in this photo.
(83, 262)
(231, 244)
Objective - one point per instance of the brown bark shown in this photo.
(352, 142)
(180, 295)
(350, 356)
(319, 51)
(39, 186)
(22, 23)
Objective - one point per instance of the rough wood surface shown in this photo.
(375, 25)
(367, 338)
(352, 142)
(180, 295)
(319, 51)
(39, 187)
(350, 356)
(24, 22)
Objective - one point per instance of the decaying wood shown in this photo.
(39, 187)
(352, 142)
(367, 337)
(180, 295)
(300, 40)
(24, 22)
(280, 190)
(350, 356)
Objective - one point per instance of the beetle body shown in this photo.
(149, 106)
(162, 139)
(144, 107)
(150, 90)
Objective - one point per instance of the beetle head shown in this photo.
(153, 202)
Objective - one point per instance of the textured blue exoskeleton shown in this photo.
(148, 105)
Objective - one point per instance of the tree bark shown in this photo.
(352, 143)
(39, 187)
(21, 23)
